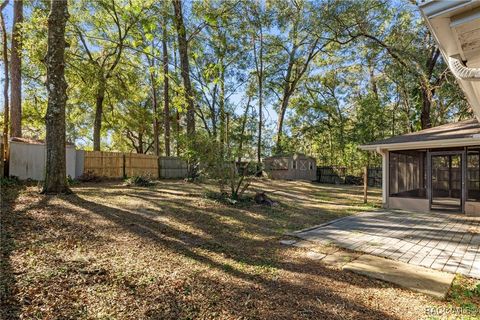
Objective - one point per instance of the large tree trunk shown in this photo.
(287, 93)
(242, 133)
(97, 122)
(281, 117)
(221, 105)
(425, 116)
(6, 110)
(16, 72)
(140, 143)
(178, 129)
(166, 98)
(156, 144)
(427, 90)
(185, 68)
(178, 132)
(373, 79)
(260, 100)
(55, 175)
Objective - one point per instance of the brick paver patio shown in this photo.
(441, 241)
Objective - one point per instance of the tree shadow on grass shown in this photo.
(186, 244)
(9, 305)
(216, 237)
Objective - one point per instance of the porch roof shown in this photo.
(463, 133)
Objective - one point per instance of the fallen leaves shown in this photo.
(168, 252)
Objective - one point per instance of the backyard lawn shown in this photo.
(171, 251)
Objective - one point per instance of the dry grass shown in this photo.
(168, 252)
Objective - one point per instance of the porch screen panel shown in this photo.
(407, 174)
(473, 175)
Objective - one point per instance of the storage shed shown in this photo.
(291, 167)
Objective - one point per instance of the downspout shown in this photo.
(466, 77)
(461, 71)
(385, 177)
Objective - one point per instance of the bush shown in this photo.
(139, 181)
(9, 181)
(89, 176)
(353, 180)
(233, 179)
(226, 198)
(71, 181)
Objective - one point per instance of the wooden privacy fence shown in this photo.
(375, 177)
(120, 165)
(339, 175)
(104, 164)
(141, 165)
(331, 174)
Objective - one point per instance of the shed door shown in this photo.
(303, 165)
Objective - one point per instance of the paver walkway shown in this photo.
(441, 241)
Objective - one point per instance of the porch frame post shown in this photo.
(450, 176)
(385, 176)
(429, 179)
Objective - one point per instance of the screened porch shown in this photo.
(446, 179)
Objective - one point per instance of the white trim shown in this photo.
(425, 144)
(433, 9)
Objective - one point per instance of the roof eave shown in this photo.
(432, 9)
(445, 143)
(442, 18)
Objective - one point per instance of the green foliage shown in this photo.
(219, 162)
(9, 181)
(72, 181)
(89, 176)
(465, 293)
(139, 181)
(354, 90)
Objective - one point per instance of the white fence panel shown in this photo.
(27, 160)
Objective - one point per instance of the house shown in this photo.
(291, 167)
(438, 168)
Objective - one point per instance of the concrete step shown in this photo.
(427, 281)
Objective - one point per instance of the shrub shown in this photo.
(71, 181)
(139, 181)
(221, 165)
(9, 181)
(89, 176)
(226, 198)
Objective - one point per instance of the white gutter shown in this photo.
(425, 144)
(379, 150)
(432, 9)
